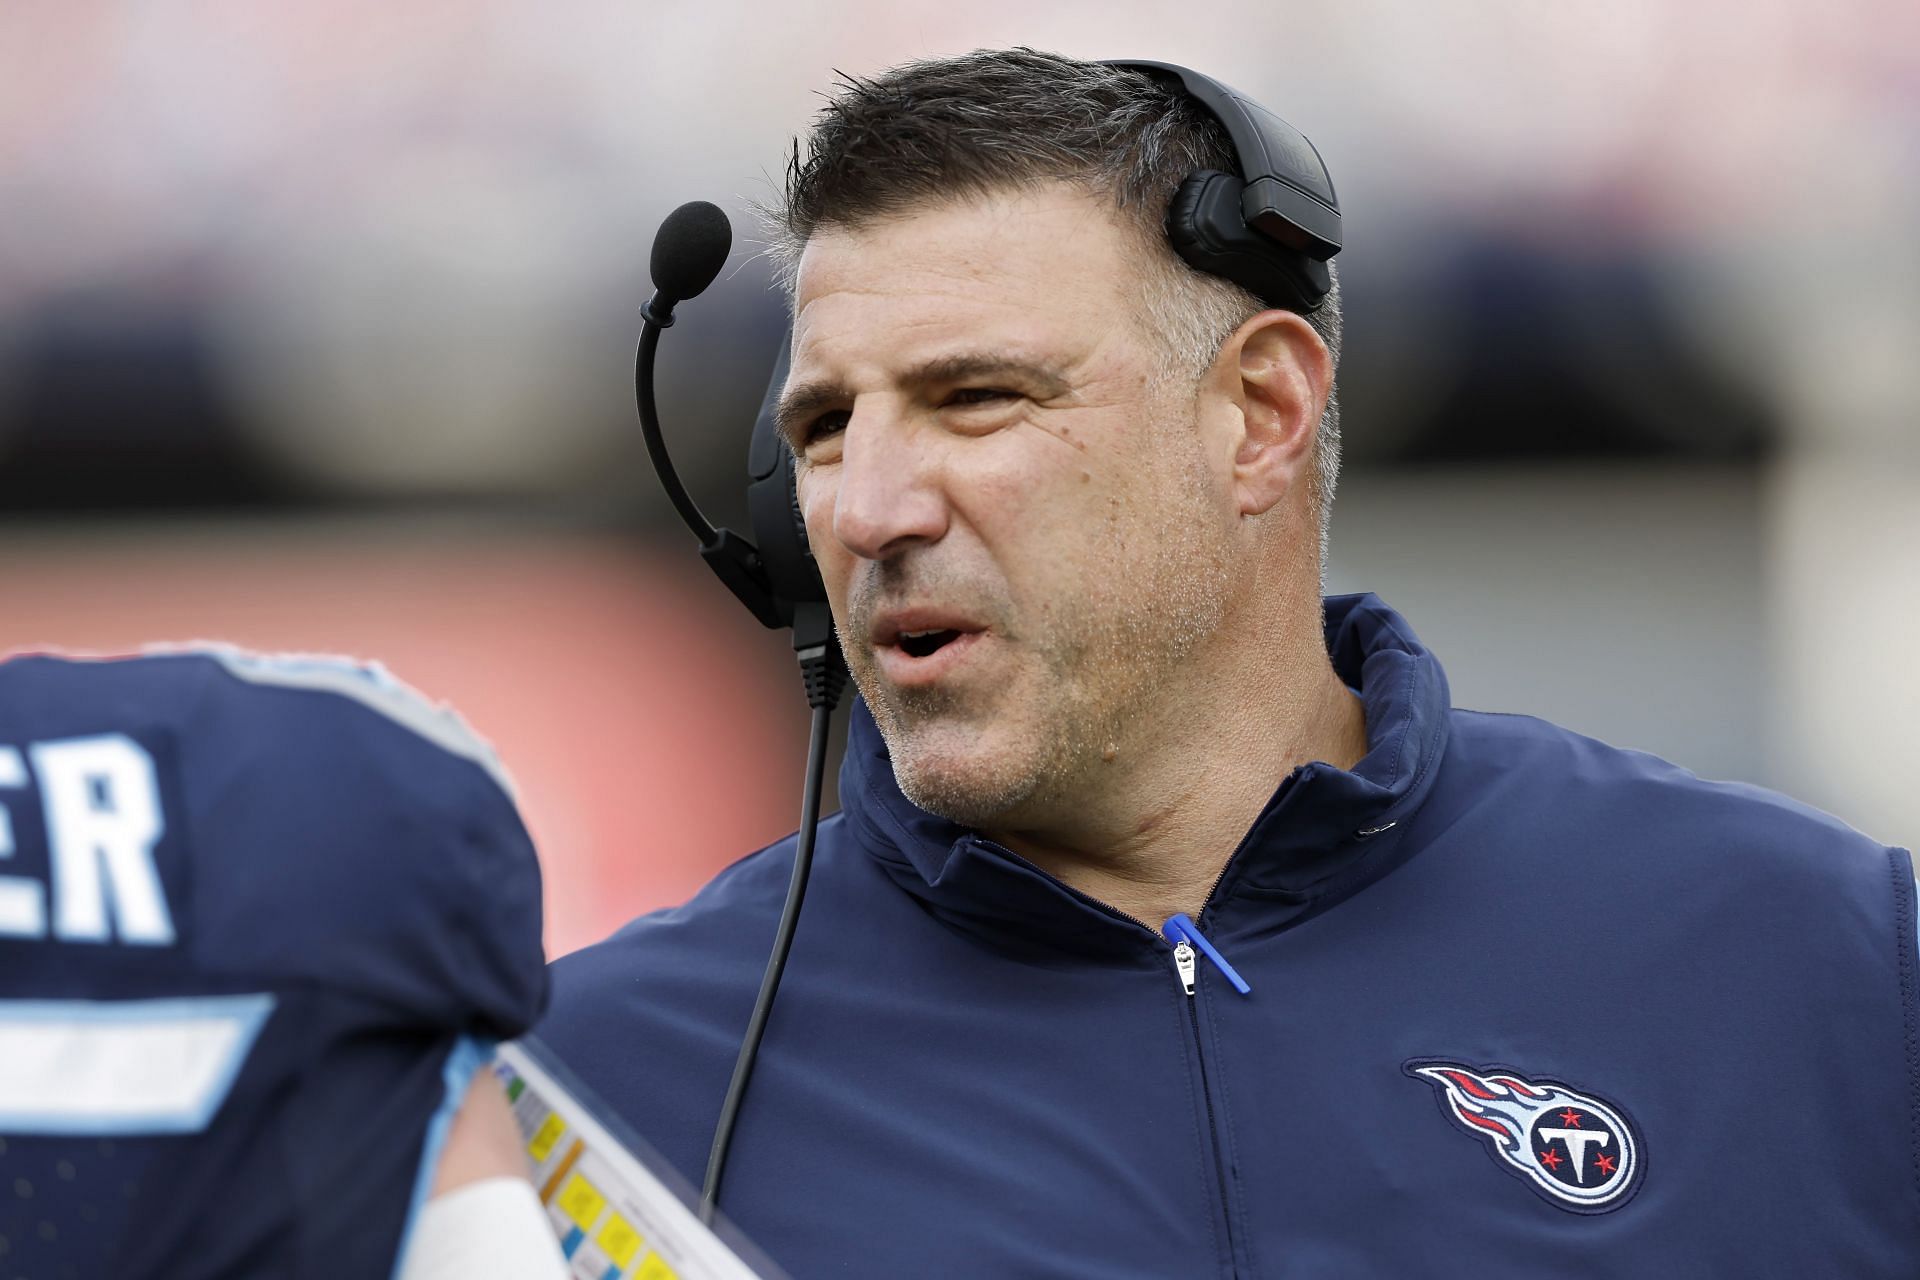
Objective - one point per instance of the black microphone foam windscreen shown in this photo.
(689, 249)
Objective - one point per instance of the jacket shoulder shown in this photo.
(709, 942)
(1641, 800)
(650, 1019)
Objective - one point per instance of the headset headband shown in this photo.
(1271, 226)
(1289, 194)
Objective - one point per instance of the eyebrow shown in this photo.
(799, 405)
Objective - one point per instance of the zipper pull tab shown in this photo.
(1182, 932)
(1183, 963)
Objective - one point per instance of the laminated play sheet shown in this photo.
(619, 1211)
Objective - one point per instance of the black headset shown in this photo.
(1270, 227)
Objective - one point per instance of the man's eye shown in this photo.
(827, 424)
(980, 395)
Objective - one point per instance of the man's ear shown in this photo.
(1277, 372)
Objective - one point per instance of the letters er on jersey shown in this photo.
(260, 920)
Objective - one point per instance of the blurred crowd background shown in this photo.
(316, 328)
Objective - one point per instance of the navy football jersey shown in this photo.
(259, 920)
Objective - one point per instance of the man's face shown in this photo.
(1023, 534)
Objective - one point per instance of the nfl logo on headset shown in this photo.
(1572, 1148)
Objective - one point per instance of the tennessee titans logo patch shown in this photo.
(1572, 1148)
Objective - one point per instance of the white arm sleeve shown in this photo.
(494, 1229)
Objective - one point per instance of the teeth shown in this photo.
(915, 635)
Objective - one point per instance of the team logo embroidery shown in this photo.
(1571, 1147)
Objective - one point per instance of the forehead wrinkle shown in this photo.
(957, 365)
(924, 290)
(994, 256)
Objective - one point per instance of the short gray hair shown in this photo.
(943, 129)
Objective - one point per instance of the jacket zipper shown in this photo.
(1186, 967)
(1182, 932)
(1220, 1182)
(1188, 946)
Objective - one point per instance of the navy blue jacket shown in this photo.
(255, 917)
(1520, 1003)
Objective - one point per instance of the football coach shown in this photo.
(1176, 923)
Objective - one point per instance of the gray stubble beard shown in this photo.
(1135, 642)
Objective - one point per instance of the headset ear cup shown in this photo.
(793, 502)
(774, 507)
(1206, 228)
(773, 504)
(1187, 220)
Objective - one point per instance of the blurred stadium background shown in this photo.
(316, 330)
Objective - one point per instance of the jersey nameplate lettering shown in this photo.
(100, 796)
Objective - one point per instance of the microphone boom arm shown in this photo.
(733, 559)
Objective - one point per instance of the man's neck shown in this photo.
(1151, 836)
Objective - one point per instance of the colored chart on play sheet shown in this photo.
(614, 1217)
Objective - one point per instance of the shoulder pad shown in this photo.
(368, 683)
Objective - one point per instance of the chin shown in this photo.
(959, 775)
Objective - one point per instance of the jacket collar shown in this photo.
(1324, 832)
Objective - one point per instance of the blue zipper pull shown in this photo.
(1181, 932)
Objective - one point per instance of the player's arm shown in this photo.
(483, 1141)
(484, 1221)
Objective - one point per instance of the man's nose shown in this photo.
(889, 496)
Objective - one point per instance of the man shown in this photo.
(260, 921)
(1175, 924)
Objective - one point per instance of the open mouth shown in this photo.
(924, 644)
(918, 645)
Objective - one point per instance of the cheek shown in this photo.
(1009, 518)
(1047, 529)
(1029, 488)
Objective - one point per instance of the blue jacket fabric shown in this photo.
(256, 917)
(1519, 1003)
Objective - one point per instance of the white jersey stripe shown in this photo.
(122, 1066)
